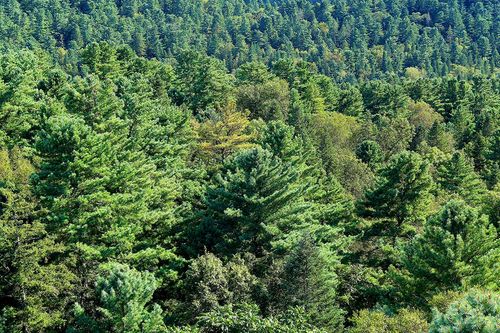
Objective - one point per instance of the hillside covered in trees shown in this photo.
(347, 40)
(249, 166)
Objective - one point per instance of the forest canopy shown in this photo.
(249, 166)
(347, 40)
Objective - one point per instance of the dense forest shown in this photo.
(348, 40)
(249, 166)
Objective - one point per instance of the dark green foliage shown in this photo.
(20, 105)
(457, 176)
(202, 82)
(257, 199)
(402, 190)
(309, 281)
(383, 98)
(350, 101)
(395, 207)
(346, 39)
(370, 153)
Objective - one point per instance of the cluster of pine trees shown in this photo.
(349, 40)
(254, 166)
(149, 196)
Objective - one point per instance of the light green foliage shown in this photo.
(269, 100)
(210, 284)
(332, 205)
(493, 158)
(124, 302)
(441, 138)
(334, 136)
(253, 73)
(33, 273)
(477, 311)
(442, 301)
(422, 115)
(101, 60)
(301, 76)
(246, 318)
(393, 134)
(262, 94)
(454, 95)
(378, 322)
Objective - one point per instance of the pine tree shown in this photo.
(309, 281)
(493, 156)
(396, 205)
(20, 103)
(401, 192)
(202, 82)
(383, 98)
(101, 60)
(256, 199)
(124, 305)
(453, 252)
(370, 153)
(36, 284)
(101, 195)
(463, 126)
(350, 102)
(457, 176)
(477, 311)
(139, 44)
(279, 138)
(129, 8)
